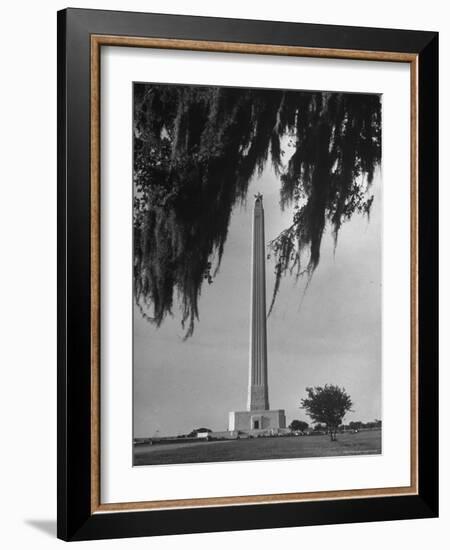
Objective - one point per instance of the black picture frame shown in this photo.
(76, 520)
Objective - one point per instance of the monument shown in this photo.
(258, 418)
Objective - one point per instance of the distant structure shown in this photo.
(258, 418)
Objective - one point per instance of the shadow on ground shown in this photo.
(47, 526)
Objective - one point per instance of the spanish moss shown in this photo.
(196, 150)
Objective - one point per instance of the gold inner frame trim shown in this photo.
(97, 41)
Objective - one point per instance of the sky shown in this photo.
(329, 334)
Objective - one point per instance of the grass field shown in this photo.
(259, 449)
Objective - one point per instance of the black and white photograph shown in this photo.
(224, 255)
(257, 275)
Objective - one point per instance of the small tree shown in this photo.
(320, 428)
(327, 404)
(298, 426)
(355, 425)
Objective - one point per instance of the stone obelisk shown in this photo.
(258, 392)
(258, 419)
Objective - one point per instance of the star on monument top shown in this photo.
(258, 196)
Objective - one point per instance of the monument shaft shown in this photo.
(258, 418)
(258, 394)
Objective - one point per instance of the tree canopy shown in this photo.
(195, 151)
(328, 405)
(298, 426)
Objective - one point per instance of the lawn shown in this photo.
(367, 443)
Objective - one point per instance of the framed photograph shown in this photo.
(247, 253)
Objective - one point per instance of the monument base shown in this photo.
(257, 421)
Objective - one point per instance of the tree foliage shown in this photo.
(355, 425)
(298, 426)
(195, 152)
(327, 405)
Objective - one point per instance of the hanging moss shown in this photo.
(196, 150)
